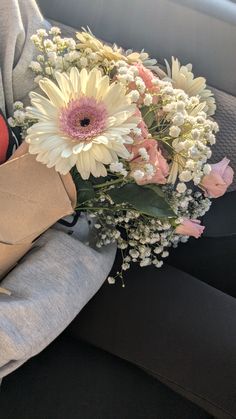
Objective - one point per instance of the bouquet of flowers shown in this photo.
(135, 139)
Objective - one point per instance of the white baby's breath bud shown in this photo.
(121, 63)
(138, 174)
(72, 56)
(40, 58)
(123, 246)
(196, 180)
(158, 250)
(195, 134)
(149, 170)
(52, 57)
(116, 167)
(212, 139)
(97, 225)
(125, 266)
(181, 187)
(123, 70)
(156, 82)
(158, 263)
(93, 56)
(55, 31)
(83, 61)
(129, 77)
(134, 95)
(140, 84)
(194, 152)
(111, 280)
(180, 106)
(147, 99)
(207, 169)
(165, 254)
(18, 105)
(117, 234)
(145, 262)
(178, 119)
(168, 90)
(185, 176)
(42, 32)
(200, 120)
(208, 154)
(36, 67)
(194, 101)
(178, 145)
(19, 115)
(71, 43)
(190, 164)
(134, 253)
(49, 44)
(34, 38)
(174, 131)
(137, 131)
(143, 153)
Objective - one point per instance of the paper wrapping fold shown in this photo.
(32, 199)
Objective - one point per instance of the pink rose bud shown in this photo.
(157, 164)
(219, 179)
(190, 228)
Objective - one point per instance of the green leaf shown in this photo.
(148, 116)
(148, 199)
(84, 188)
(85, 191)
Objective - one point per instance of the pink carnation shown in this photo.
(190, 228)
(219, 179)
(160, 168)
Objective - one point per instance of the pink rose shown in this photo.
(190, 228)
(219, 179)
(142, 126)
(146, 75)
(155, 167)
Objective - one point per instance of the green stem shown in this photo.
(109, 183)
(100, 208)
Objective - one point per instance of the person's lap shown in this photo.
(173, 325)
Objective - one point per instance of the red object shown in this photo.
(4, 139)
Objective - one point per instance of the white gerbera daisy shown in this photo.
(183, 78)
(86, 121)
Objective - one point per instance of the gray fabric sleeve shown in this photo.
(19, 19)
(48, 289)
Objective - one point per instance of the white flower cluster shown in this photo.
(118, 167)
(58, 53)
(20, 118)
(190, 135)
(144, 240)
(190, 204)
(129, 75)
(170, 113)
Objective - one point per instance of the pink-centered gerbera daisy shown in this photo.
(85, 121)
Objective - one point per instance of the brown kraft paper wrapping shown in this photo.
(32, 199)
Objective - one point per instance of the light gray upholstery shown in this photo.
(199, 31)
